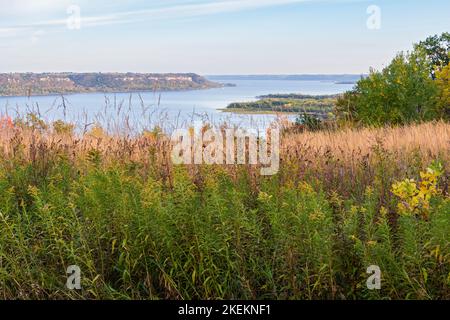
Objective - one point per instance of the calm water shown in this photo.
(166, 109)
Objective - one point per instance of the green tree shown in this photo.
(437, 49)
(402, 92)
(443, 82)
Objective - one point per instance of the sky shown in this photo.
(213, 37)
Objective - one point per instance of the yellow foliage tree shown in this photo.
(443, 81)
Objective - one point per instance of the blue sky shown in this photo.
(213, 37)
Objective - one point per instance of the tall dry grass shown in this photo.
(140, 227)
(429, 138)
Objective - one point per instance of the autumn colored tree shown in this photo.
(443, 82)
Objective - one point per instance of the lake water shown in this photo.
(168, 110)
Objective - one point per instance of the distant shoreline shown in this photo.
(337, 78)
(243, 111)
(107, 92)
(286, 103)
(66, 83)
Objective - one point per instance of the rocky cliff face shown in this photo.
(21, 84)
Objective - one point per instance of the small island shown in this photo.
(316, 105)
(30, 84)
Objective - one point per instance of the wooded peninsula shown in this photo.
(319, 105)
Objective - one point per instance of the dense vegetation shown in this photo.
(319, 106)
(26, 84)
(139, 227)
(413, 87)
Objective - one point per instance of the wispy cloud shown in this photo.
(207, 8)
(186, 10)
(8, 32)
(173, 11)
(20, 7)
(160, 10)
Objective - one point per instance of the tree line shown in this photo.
(414, 87)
